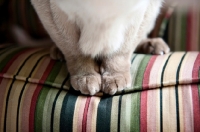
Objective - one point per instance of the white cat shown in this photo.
(98, 37)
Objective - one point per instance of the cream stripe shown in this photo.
(46, 119)
(188, 108)
(4, 85)
(78, 113)
(125, 113)
(57, 112)
(31, 63)
(185, 77)
(92, 114)
(19, 61)
(157, 110)
(114, 114)
(40, 69)
(12, 106)
(156, 71)
(187, 67)
(94, 119)
(169, 110)
(151, 110)
(171, 69)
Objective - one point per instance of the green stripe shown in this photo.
(54, 73)
(126, 113)
(40, 108)
(67, 113)
(104, 114)
(140, 72)
(135, 112)
(136, 61)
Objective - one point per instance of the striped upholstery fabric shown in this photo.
(35, 95)
(184, 30)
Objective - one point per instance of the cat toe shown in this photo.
(86, 84)
(113, 83)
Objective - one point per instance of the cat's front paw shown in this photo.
(155, 46)
(115, 82)
(87, 84)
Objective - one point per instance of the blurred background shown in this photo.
(178, 24)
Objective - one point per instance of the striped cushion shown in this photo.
(35, 95)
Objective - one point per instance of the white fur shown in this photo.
(103, 22)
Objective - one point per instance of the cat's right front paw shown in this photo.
(116, 82)
(87, 84)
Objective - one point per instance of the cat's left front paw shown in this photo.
(115, 82)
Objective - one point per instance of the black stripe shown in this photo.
(176, 94)
(179, 68)
(67, 113)
(104, 114)
(133, 59)
(9, 91)
(119, 113)
(55, 100)
(23, 88)
(161, 107)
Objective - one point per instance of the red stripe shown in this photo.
(33, 107)
(48, 70)
(195, 95)
(84, 123)
(35, 96)
(147, 72)
(143, 112)
(196, 108)
(196, 68)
